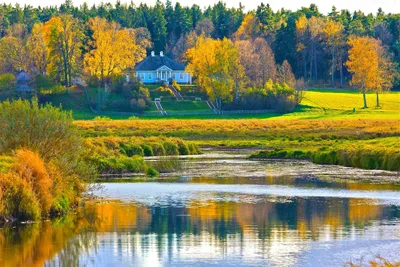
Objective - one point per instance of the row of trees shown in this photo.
(234, 72)
(229, 52)
(314, 44)
(61, 48)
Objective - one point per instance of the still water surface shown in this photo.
(292, 217)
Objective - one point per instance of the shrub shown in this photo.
(31, 168)
(120, 164)
(158, 150)
(131, 150)
(147, 150)
(58, 164)
(176, 85)
(165, 89)
(183, 148)
(193, 149)
(152, 172)
(7, 82)
(170, 148)
(18, 199)
(31, 189)
(102, 118)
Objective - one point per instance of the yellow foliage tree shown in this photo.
(38, 52)
(370, 66)
(216, 64)
(301, 40)
(13, 54)
(333, 32)
(249, 29)
(114, 49)
(63, 36)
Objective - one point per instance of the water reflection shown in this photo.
(272, 231)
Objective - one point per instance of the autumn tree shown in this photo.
(386, 71)
(315, 27)
(258, 61)
(114, 49)
(216, 65)
(301, 41)
(249, 29)
(13, 52)
(204, 27)
(184, 43)
(370, 65)
(285, 75)
(63, 36)
(13, 55)
(333, 33)
(38, 52)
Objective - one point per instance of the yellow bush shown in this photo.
(31, 168)
(28, 189)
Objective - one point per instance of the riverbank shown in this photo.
(361, 143)
(377, 153)
(235, 166)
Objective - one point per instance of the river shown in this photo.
(223, 210)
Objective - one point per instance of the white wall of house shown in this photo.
(153, 76)
(147, 76)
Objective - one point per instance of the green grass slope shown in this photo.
(316, 104)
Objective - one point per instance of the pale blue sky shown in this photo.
(367, 6)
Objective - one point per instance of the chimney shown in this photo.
(161, 54)
(152, 53)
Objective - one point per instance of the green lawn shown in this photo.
(341, 104)
(173, 105)
(316, 104)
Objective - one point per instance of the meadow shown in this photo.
(316, 104)
(326, 123)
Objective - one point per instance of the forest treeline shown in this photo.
(169, 26)
(256, 46)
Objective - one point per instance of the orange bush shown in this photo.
(31, 168)
(26, 190)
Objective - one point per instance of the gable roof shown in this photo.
(22, 76)
(156, 62)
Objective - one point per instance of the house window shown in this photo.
(181, 76)
(149, 76)
(141, 76)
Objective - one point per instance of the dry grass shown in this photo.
(243, 128)
(31, 168)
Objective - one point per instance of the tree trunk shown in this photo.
(237, 91)
(311, 62)
(365, 99)
(377, 100)
(341, 73)
(305, 65)
(333, 66)
(218, 103)
(98, 100)
(315, 65)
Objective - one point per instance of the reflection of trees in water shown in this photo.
(32, 245)
(216, 222)
(73, 250)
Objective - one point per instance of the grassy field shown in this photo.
(186, 106)
(316, 104)
(329, 127)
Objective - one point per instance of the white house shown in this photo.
(157, 69)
